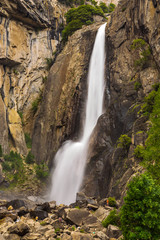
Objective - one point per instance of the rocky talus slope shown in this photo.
(27, 220)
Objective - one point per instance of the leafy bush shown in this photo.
(147, 107)
(139, 216)
(138, 44)
(49, 62)
(28, 140)
(151, 154)
(137, 86)
(112, 202)
(156, 86)
(104, 7)
(111, 7)
(138, 152)
(36, 103)
(77, 17)
(144, 52)
(1, 153)
(14, 167)
(30, 158)
(42, 171)
(113, 218)
(6, 166)
(72, 2)
(124, 142)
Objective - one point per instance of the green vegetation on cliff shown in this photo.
(150, 153)
(143, 51)
(140, 214)
(107, 9)
(77, 17)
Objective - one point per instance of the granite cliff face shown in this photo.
(29, 34)
(108, 168)
(61, 112)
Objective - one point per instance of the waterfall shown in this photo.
(71, 157)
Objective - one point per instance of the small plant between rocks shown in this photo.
(124, 142)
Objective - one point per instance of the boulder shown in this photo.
(76, 216)
(101, 213)
(101, 235)
(113, 231)
(33, 236)
(38, 213)
(19, 228)
(1, 237)
(12, 237)
(81, 236)
(16, 203)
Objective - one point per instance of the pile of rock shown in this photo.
(30, 220)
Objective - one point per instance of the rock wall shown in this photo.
(109, 169)
(29, 34)
(61, 112)
(61, 115)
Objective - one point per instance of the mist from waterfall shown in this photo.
(70, 160)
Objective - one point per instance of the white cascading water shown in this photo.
(71, 157)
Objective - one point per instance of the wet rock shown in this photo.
(19, 228)
(37, 212)
(22, 211)
(17, 203)
(45, 206)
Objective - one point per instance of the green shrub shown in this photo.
(147, 107)
(156, 86)
(1, 152)
(138, 44)
(72, 2)
(21, 115)
(144, 52)
(42, 171)
(151, 153)
(36, 103)
(6, 166)
(77, 17)
(43, 223)
(111, 7)
(57, 230)
(113, 218)
(139, 216)
(49, 62)
(123, 9)
(30, 158)
(137, 86)
(138, 152)
(112, 202)
(14, 167)
(104, 7)
(124, 142)
(28, 140)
